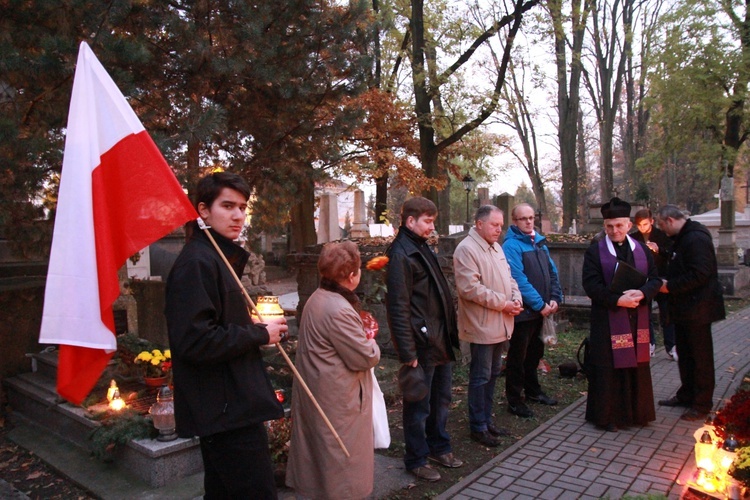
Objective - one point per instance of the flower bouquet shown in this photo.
(373, 296)
(155, 364)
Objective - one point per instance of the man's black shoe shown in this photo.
(497, 431)
(485, 438)
(520, 410)
(542, 399)
(673, 401)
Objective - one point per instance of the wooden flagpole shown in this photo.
(289, 362)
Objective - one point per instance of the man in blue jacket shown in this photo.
(536, 275)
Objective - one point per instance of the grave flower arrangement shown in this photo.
(734, 419)
(154, 363)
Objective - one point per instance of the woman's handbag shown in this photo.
(381, 432)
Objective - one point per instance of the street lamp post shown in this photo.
(468, 186)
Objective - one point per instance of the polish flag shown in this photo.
(117, 195)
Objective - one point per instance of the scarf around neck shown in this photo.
(351, 297)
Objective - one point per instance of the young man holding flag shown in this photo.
(222, 392)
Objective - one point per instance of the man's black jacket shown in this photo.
(695, 294)
(220, 382)
(421, 314)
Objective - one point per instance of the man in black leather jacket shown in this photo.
(222, 392)
(422, 320)
(695, 301)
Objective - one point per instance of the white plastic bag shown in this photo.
(548, 334)
(381, 433)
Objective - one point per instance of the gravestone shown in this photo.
(484, 196)
(505, 203)
(328, 223)
(359, 227)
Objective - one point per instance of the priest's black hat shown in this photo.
(615, 208)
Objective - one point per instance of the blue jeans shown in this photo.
(425, 420)
(486, 363)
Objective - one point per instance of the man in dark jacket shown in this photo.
(222, 392)
(695, 301)
(661, 248)
(422, 320)
(538, 282)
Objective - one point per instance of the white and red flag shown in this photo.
(117, 195)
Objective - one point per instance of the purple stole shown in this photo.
(624, 352)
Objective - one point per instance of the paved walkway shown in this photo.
(567, 457)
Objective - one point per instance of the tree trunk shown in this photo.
(381, 198)
(302, 220)
(583, 171)
(629, 146)
(427, 148)
(606, 178)
(568, 99)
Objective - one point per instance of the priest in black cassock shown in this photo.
(620, 392)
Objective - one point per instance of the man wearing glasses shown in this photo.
(537, 278)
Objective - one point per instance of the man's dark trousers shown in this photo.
(696, 364)
(525, 352)
(237, 464)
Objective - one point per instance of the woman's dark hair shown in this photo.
(338, 260)
(210, 186)
(417, 207)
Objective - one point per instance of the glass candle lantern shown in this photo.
(162, 414)
(268, 307)
(724, 456)
(112, 390)
(704, 452)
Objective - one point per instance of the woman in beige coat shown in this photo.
(334, 357)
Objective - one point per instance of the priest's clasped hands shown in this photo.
(630, 299)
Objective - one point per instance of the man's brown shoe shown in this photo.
(447, 460)
(427, 473)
